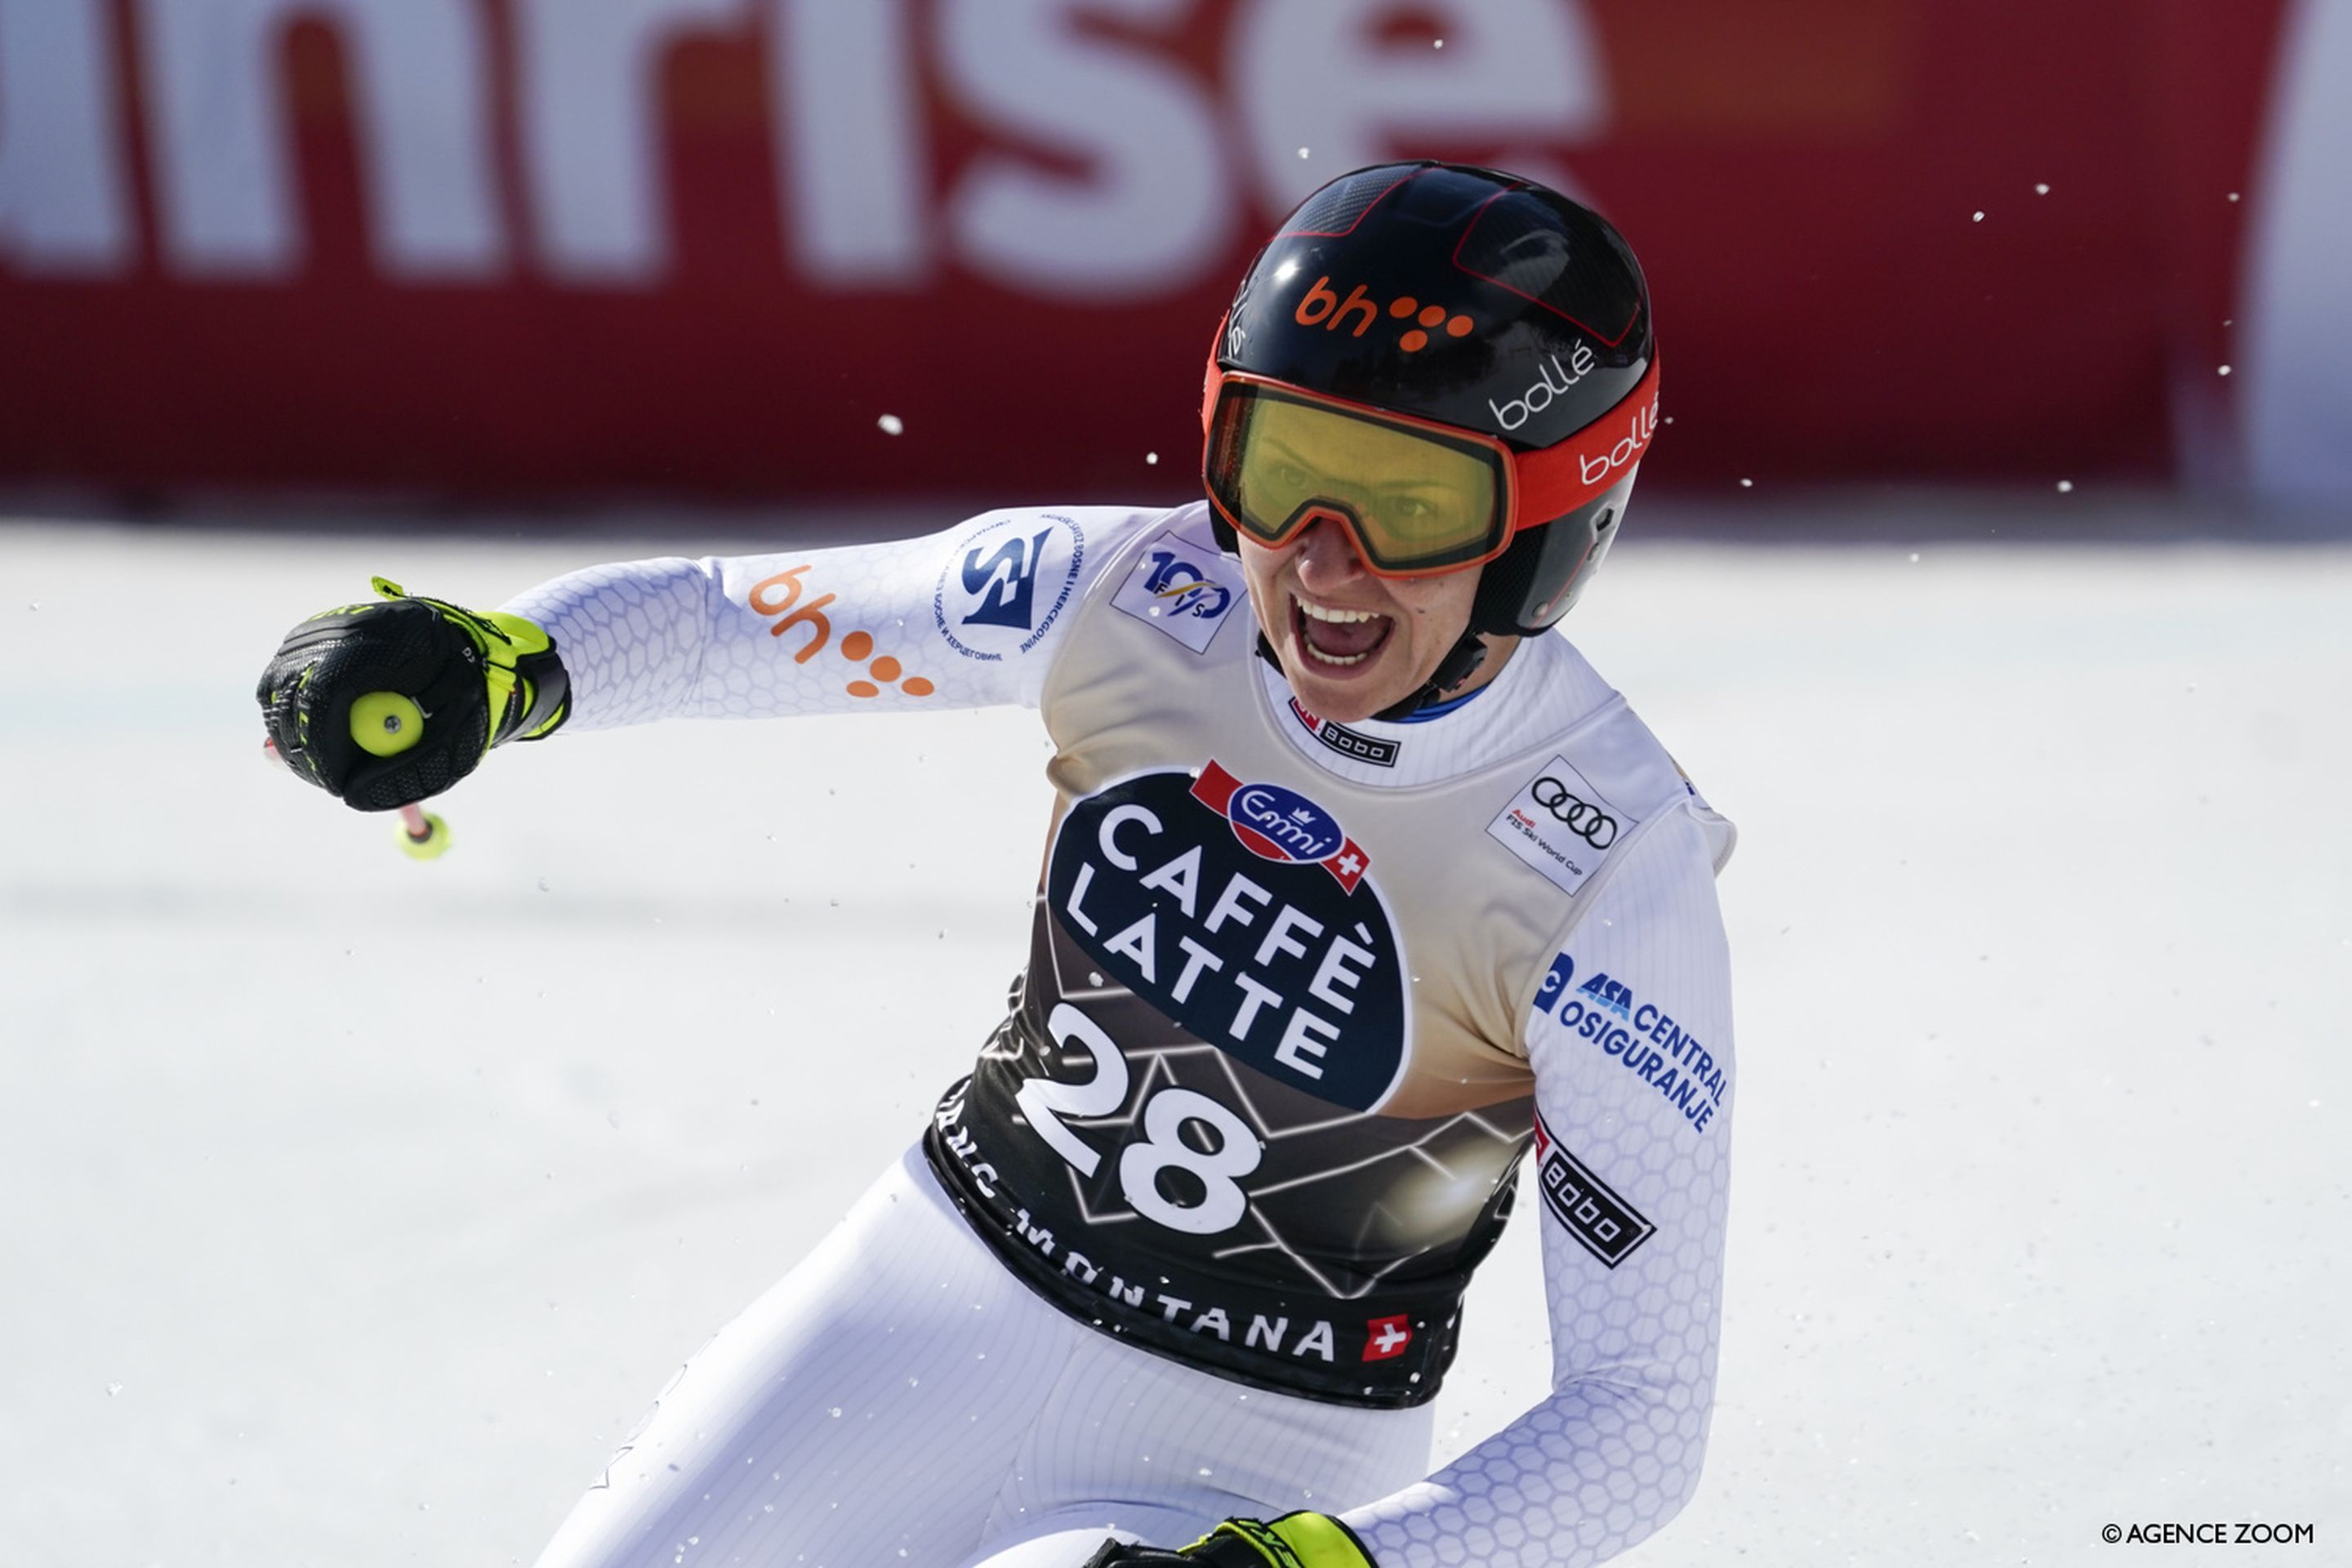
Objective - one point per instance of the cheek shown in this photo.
(1439, 606)
(1260, 565)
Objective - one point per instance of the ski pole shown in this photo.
(422, 834)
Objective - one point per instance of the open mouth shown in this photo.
(1336, 639)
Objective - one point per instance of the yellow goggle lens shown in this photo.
(1413, 498)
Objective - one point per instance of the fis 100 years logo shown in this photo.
(1180, 587)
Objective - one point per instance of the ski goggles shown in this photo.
(1419, 498)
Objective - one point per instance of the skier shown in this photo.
(1359, 889)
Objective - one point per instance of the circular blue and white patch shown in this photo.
(1002, 586)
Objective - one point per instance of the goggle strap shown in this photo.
(1566, 476)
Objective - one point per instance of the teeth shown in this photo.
(1333, 617)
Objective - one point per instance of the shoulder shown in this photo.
(1011, 581)
(1070, 544)
(1623, 747)
(1162, 567)
(1093, 532)
(1175, 540)
(1597, 785)
(1076, 547)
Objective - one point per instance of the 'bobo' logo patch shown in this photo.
(1602, 1223)
(1245, 913)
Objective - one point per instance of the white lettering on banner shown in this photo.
(1255, 994)
(222, 141)
(64, 202)
(849, 141)
(1232, 903)
(1278, 937)
(591, 135)
(1136, 944)
(1316, 74)
(1154, 208)
(1155, 213)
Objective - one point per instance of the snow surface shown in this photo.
(355, 1207)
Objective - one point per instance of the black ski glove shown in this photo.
(381, 705)
(1294, 1541)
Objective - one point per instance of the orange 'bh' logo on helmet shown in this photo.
(1323, 307)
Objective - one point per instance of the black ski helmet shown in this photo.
(1474, 299)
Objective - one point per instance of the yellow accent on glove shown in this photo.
(504, 639)
(1296, 1541)
(386, 723)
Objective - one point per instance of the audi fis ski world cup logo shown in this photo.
(1245, 914)
(1583, 819)
(1560, 825)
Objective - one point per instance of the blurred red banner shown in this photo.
(525, 249)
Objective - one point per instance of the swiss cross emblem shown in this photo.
(1386, 1338)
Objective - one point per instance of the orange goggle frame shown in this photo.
(1501, 490)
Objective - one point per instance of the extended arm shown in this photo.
(385, 703)
(968, 618)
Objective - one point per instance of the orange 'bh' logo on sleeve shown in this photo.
(780, 595)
